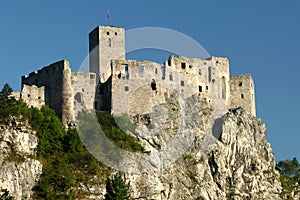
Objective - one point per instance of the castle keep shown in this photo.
(119, 86)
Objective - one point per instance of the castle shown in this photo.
(117, 85)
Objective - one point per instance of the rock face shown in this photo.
(18, 171)
(190, 154)
(233, 161)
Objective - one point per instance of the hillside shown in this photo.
(41, 160)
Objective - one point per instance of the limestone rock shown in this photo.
(236, 163)
(19, 172)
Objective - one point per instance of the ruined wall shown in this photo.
(131, 86)
(84, 90)
(106, 43)
(33, 95)
(132, 83)
(56, 79)
(242, 93)
(208, 77)
(16, 95)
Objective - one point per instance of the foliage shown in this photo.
(9, 106)
(4, 195)
(117, 189)
(289, 176)
(6, 91)
(116, 135)
(66, 162)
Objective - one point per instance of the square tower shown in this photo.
(106, 43)
(242, 93)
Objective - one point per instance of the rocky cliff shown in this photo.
(233, 161)
(189, 155)
(19, 171)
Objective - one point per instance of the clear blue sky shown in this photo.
(259, 37)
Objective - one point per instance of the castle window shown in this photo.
(107, 33)
(126, 88)
(92, 76)
(153, 84)
(209, 74)
(109, 42)
(199, 72)
(217, 62)
(171, 77)
(169, 62)
(82, 89)
(39, 97)
(116, 33)
(163, 72)
(200, 88)
(126, 70)
(242, 96)
(190, 66)
(156, 71)
(182, 83)
(206, 87)
(223, 87)
(141, 68)
(241, 84)
(28, 95)
(183, 65)
(78, 97)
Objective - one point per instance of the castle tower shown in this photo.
(242, 93)
(106, 43)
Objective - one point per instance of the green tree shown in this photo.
(6, 91)
(117, 189)
(4, 195)
(290, 168)
(289, 177)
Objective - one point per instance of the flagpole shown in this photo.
(108, 17)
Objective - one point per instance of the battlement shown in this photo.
(56, 67)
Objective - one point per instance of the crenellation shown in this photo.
(119, 86)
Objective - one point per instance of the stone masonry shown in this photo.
(119, 86)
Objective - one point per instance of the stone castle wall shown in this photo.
(33, 95)
(242, 93)
(84, 90)
(56, 80)
(133, 81)
(135, 87)
(106, 43)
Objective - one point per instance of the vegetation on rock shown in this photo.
(4, 195)
(117, 188)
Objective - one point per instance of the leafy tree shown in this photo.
(289, 176)
(290, 168)
(4, 195)
(117, 189)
